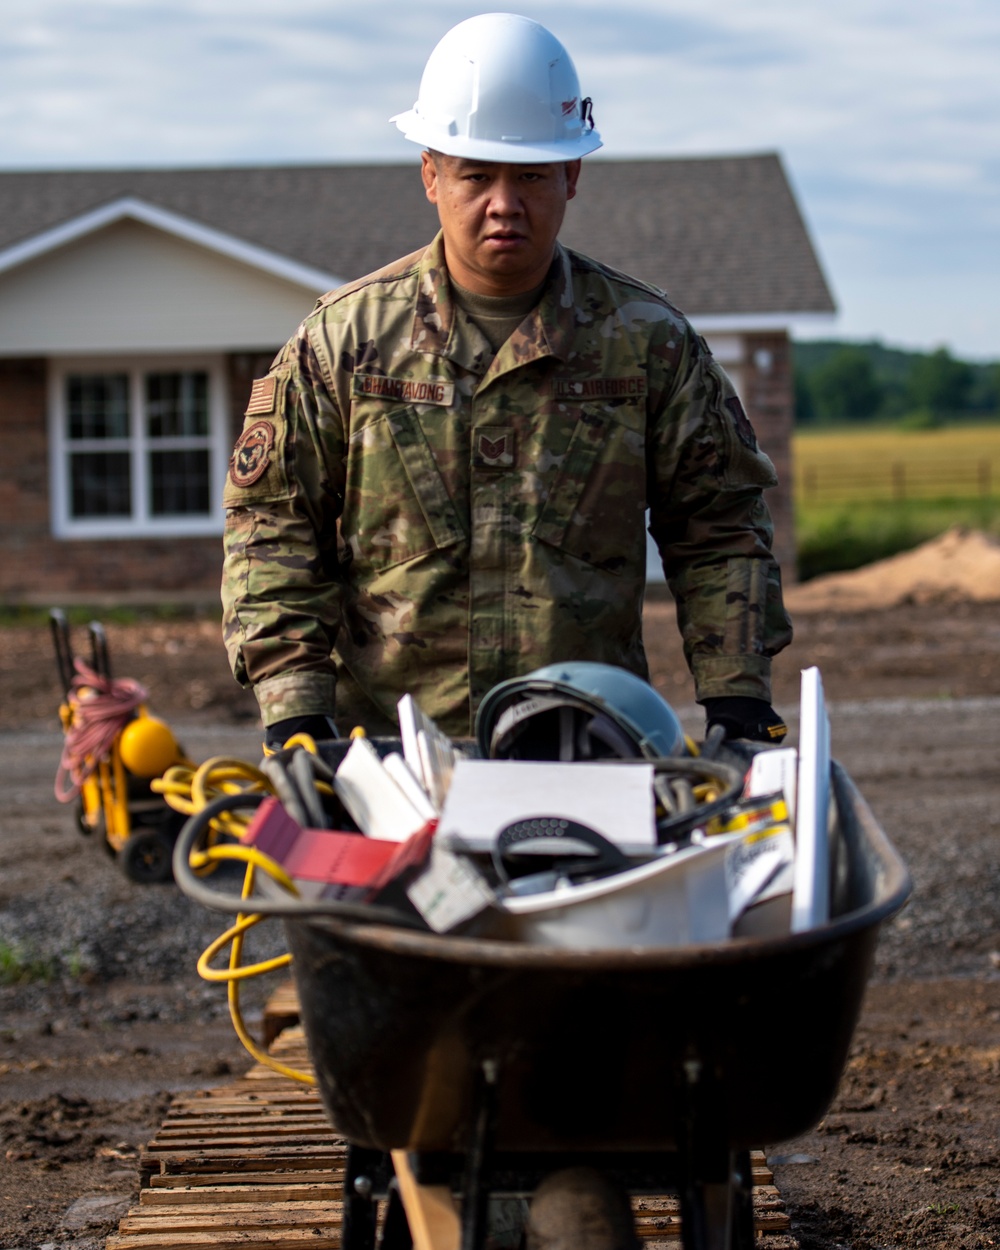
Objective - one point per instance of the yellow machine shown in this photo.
(113, 748)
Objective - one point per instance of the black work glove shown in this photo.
(317, 725)
(743, 717)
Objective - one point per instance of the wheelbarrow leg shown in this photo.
(396, 1233)
(358, 1228)
(717, 1214)
(430, 1209)
(475, 1194)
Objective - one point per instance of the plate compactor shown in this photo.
(113, 749)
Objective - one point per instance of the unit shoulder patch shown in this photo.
(741, 422)
(262, 396)
(252, 454)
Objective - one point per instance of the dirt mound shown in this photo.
(958, 567)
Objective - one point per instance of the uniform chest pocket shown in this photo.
(396, 503)
(595, 508)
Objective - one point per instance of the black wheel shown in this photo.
(146, 857)
(80, 815)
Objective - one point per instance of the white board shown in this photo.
(811, 888)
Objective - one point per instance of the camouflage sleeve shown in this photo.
(713, 528)
(280, 589)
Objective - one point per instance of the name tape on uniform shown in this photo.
(409, 390)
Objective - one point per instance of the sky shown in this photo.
(886, 113)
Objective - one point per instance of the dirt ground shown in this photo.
(907, 1156)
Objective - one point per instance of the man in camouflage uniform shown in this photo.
(442, 482)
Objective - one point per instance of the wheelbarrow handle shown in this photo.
(100, 659)
(63, 646)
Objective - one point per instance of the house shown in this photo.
(137, 306)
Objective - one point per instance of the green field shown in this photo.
(861, 495)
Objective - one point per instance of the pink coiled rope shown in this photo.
(101, 707)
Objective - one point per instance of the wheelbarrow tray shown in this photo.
(627, 1050)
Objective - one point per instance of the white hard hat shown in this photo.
(499, 87)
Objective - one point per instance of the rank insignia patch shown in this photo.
(493, 447)
(252, 454)
(742, 423)
(262, 396)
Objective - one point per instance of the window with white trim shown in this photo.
(139, 446)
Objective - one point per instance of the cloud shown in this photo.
(884, 110)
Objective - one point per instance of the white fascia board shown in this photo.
(747, 323)
(314, 280)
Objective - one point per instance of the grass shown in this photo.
(19, 966)
(833, 538)
(958, 461)
(847, 442)
(857, 515)
(23, 614)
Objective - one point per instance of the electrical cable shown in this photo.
(197, 852)
(220, 796)
(99, 708)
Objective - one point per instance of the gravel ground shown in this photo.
(112, 1017)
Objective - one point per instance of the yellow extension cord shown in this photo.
(188, 790)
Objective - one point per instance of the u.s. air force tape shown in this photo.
(599, 388)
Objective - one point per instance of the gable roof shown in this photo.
(722, 235)
(128, 207)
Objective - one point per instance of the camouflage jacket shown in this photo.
(408, 512)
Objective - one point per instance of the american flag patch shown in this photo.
(262, 396)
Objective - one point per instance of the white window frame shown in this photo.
(141, 523)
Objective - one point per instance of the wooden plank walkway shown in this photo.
(255, 1164)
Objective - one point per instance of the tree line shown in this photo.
(838, 383)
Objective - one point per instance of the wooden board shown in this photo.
(255, 1163)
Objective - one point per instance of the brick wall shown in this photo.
(40, 569)
(242, 368)
(37, 568)
(768, 391)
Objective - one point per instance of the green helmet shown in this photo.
(577, 711)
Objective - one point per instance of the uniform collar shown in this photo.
(547, 331)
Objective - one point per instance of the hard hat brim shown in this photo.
(502, 152)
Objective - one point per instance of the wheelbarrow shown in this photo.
(479, 1066)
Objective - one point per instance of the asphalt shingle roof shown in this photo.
(722, 235)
